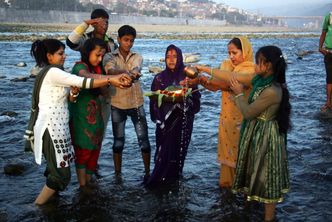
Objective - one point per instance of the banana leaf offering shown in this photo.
(170, 94)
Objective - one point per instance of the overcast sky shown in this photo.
(255, 4)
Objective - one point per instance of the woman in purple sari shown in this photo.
(174, 122)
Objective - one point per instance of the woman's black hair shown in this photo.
(90, 45)
(273, 55)
(236, 42)
(40, 48)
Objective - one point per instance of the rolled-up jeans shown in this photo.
(137, 115)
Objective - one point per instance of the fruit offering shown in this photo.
(170, 94)
(174, 93)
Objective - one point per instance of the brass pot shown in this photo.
(191, 72)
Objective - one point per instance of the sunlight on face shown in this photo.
(126, 42)
(96, 55)
(171, 59)
(235, 54)
(58, 58)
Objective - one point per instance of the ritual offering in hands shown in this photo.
(170, 94)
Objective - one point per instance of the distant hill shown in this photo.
(308, 9)
(319, 10)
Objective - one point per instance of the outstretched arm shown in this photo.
(85, 73)
(225, 76)
(109, 64)
(211, 83)
(62, 78)
(121, 80)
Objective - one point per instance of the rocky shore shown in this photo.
(31, 32)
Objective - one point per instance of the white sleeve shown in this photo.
(77, 37)
(62, 78)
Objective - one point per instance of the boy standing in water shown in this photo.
(325, 47)
(129, 101)
(99, 21)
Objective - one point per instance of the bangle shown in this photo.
(200, 80)
(73, 95)
(203, 83)
(211, 71)
(238, 95)
(109, 81)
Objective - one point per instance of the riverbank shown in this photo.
(32, 31)
(197, 196)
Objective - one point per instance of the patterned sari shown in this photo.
(230, 116)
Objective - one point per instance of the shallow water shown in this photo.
(196, 197)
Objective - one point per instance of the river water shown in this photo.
(197, 197)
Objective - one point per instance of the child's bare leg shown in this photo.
(269, 211)
(88, 178)
(81, 177)
(45, 194)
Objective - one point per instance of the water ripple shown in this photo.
(196, 197)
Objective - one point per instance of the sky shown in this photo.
(256, 4)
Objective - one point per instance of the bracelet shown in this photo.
(211, 75)
(73, 95)
(199, 80)
(203, 83)
(238, 95)
(109, 82)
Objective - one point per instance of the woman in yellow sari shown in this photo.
(241, 65)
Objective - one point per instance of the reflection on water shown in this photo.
(196, 197)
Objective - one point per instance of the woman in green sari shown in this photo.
(262, 166)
